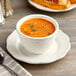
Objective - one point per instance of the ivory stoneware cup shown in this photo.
(37, 45)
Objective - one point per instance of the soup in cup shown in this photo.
(37, 33)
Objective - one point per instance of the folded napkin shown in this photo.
(11, 63)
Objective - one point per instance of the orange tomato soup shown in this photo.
(37, 27)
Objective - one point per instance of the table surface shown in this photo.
(67, 22)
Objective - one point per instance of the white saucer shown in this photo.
(49, 9)
(61, 47)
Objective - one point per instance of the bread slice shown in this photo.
(54, 4)
(73, 1)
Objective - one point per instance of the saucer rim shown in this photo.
(58, 58)
(73, 6)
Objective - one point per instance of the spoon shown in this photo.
(6, 67)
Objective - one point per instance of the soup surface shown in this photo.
(37, 27)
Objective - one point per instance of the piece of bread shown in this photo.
(73, 1)
(54, 4)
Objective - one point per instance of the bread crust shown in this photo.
(53, 5)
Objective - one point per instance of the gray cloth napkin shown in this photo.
(10, 62)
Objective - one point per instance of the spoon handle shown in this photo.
(10, 70)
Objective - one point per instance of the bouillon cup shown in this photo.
(37, 45)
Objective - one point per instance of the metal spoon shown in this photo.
(6, 67)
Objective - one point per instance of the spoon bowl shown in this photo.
(2, 57)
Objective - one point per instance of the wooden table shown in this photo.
(67, 22)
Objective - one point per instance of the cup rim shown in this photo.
(56, 26)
